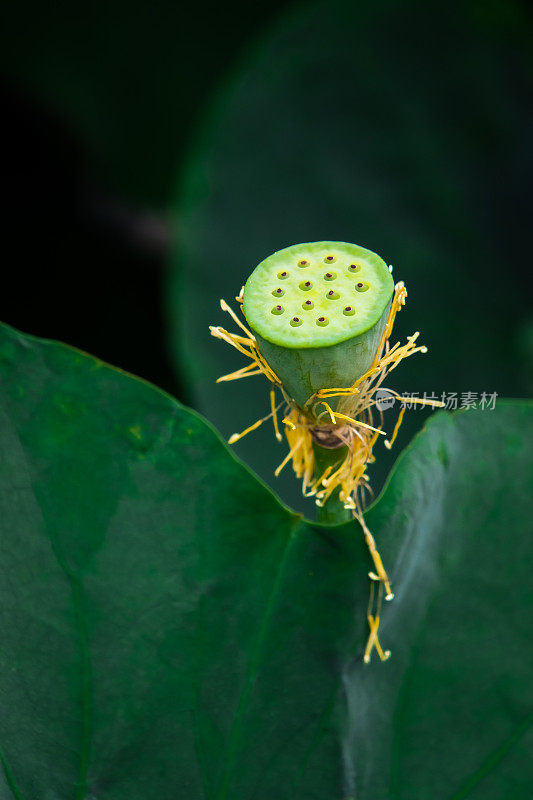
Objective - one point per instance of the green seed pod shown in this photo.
(325, 331)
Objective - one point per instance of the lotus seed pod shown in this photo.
(318, 312)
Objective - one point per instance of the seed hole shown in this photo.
(322, 321)
(283, 275)
(278, 292)
(354, 267)
(295, 322)
(362, 286)
(277, 310)
(330, 276)
(305, 286)
(330, 259)
(331, 295)
(303, 263)
(307, 305)
(349, 311)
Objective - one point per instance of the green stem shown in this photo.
(333, 511)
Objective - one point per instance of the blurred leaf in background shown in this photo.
(169, 629)
(402, 126)
(99, 101)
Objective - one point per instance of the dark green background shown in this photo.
(402, 127)
(100, 103)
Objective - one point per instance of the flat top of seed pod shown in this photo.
(317, 294)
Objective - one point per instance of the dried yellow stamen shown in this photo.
(274, 410)
(288, 457)
(389, 442)
(244, 372)
(376, 558)
(353, 423)
(236, 436)
(373, 641)
(373, 624)
(335, 415)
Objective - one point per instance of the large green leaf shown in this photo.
(396, 125)
(169, 630)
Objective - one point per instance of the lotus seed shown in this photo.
(308, 305)
(362, 287)
(277, 310)
(305, 286)
(303, 263)
(278, 292)
(330, 276)
(354, 267)
(283, 275)
(322, 321)
(295, 321)
(331, 295)
(349, 311)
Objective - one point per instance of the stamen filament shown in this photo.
(389, 442)
(353, 423)
(274, 414)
